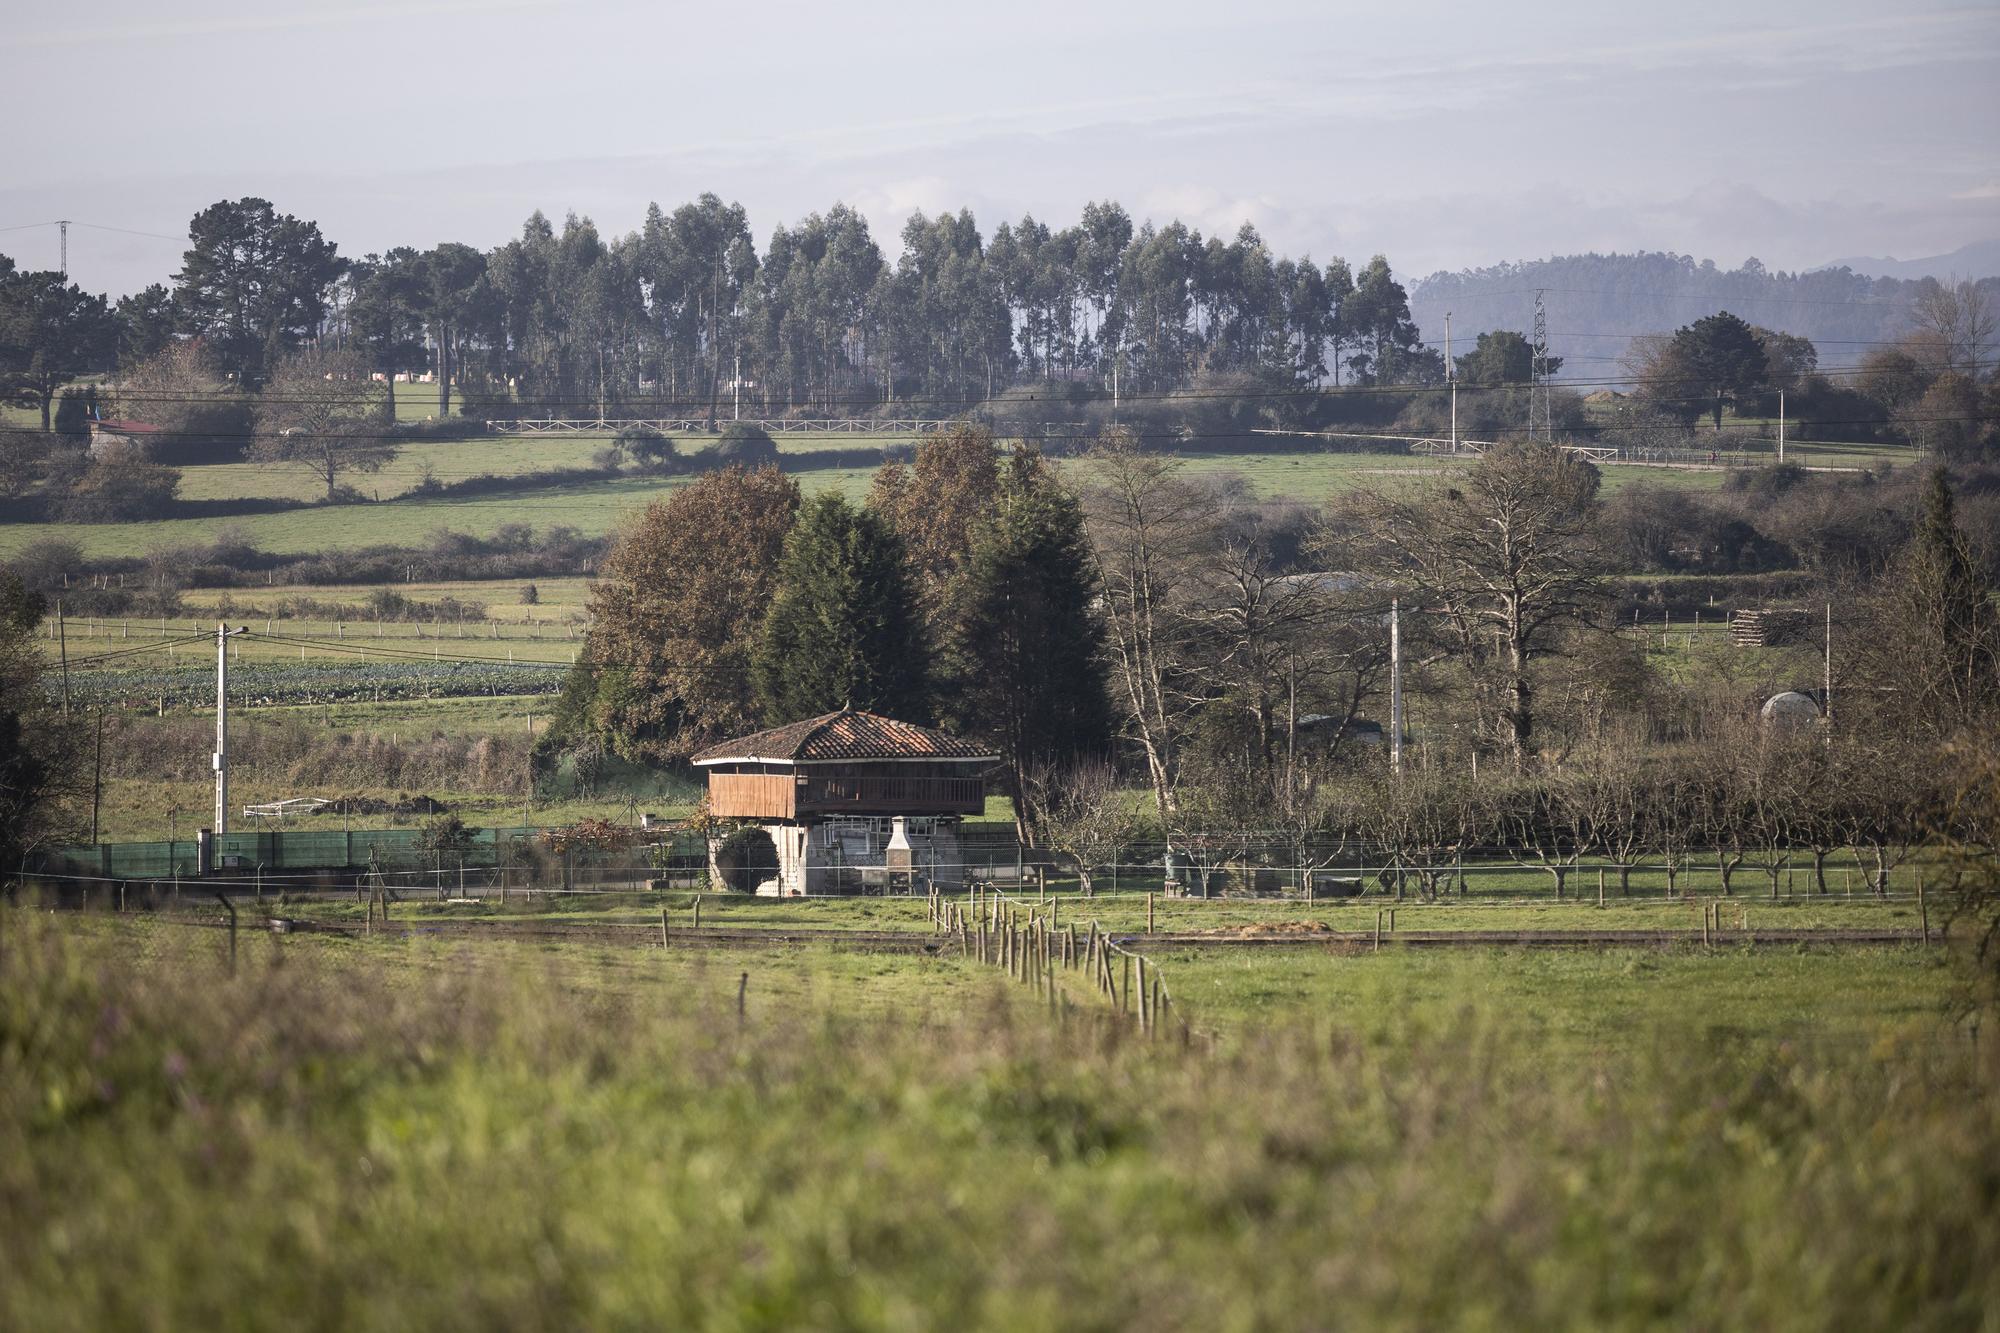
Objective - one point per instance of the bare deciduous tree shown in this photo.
(1148, 524)
(1079, 810)
(319, 414)
(1953, 325)
(1504, 557)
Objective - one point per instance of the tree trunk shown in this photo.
(445, 360)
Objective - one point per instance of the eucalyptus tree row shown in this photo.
(687, 312)
(687, 315)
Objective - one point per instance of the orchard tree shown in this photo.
(842, 628)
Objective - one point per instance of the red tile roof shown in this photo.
(847, 734)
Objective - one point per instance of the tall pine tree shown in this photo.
(1953, 672)
(1025, 653)
(842, 628)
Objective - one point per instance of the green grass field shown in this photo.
(598, 507)
(404, 1132)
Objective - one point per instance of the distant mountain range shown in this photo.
(1597, 304)
(1981, 259)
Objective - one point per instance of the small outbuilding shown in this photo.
(844, 802)
(105, 435)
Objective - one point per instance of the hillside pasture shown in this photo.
(588, 1136)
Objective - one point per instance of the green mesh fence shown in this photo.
(305, 849)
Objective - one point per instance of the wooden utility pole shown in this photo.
(97, 775)
(1396, 686)
(62, 650)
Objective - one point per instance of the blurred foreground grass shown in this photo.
(371, 1134)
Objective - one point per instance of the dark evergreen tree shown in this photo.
(1025, 655)
(1943, 650)
(254, 282)
(842, 628)
(51, 332)
(1724, 357)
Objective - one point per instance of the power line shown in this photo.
(1168, 396)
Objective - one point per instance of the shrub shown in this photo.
(744, 445)
(120, 486)
(649, 448)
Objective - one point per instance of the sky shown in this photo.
(1444, 136)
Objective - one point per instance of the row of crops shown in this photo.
(255, 683)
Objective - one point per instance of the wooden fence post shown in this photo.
(1923, 909)
(1149, 912)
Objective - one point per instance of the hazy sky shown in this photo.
(1445, 136)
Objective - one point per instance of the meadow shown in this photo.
(405, 1132)
(399, 515)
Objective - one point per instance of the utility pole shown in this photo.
(1451, 378)
(1539, 426)
(1826, 677)
(62, 650)
(222, 636)
(63, 226)
(1781, 425)
(1396, 686)
(97, 775)
(736, 389)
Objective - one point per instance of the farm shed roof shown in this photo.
(847, 734)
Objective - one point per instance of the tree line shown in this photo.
(1120, 612)
(678, 313)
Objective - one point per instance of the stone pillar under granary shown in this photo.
(849, 802)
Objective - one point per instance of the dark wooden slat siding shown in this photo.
(893, 795)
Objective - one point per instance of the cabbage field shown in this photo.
(255, 684)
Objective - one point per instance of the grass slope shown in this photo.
(366, 1135)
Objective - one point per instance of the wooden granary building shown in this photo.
(844, 802)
